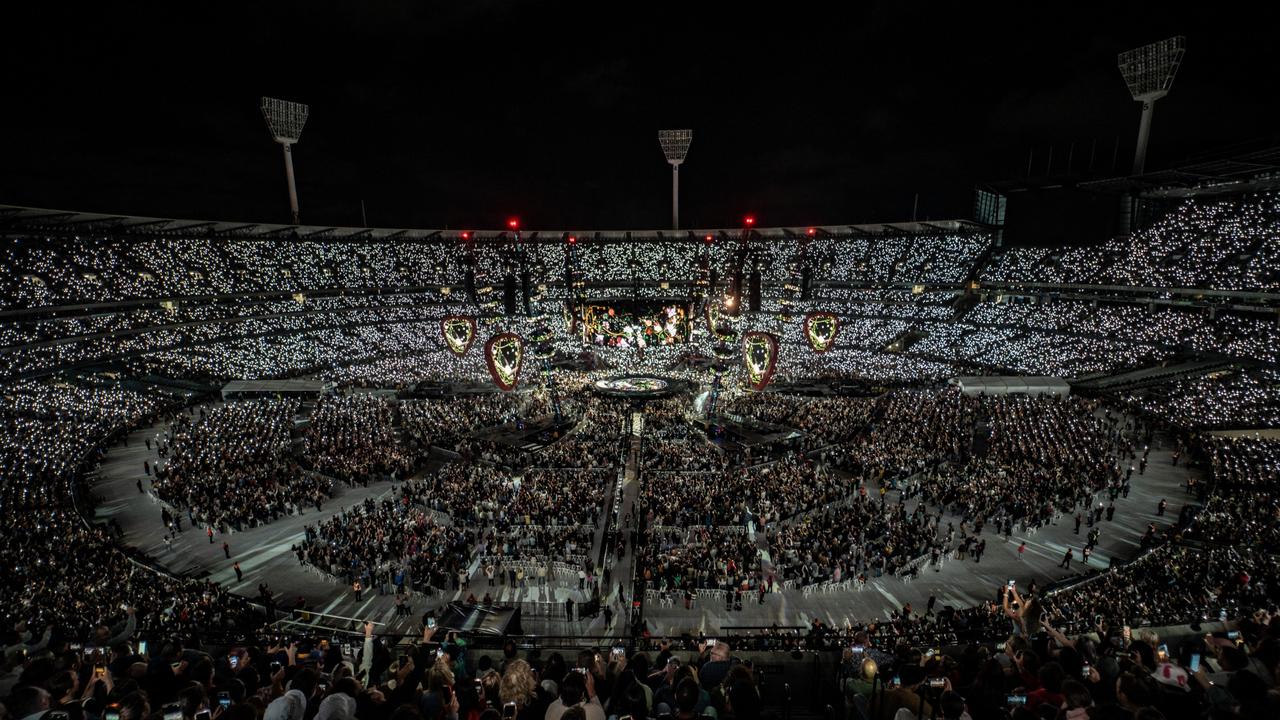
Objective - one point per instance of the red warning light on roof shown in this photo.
(813, 231)
(513, 223)
(466, 236)
(749, 220)
(572, 240)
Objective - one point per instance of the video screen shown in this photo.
(641, 325)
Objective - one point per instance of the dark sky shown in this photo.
(460, 114)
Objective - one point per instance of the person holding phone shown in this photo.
(1025, 614)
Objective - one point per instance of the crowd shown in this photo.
(829, 419)
(1223, 243)
(353, 438)
(859, 539)
(1243, 509)
(443, 422)
(393, 542)
(233, 467)
(678, 561)
(1237, 399)
(67, 578)
(736, 495)
(706, 522)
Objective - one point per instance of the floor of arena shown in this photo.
(265, 556)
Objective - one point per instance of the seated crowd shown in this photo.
(232, 468)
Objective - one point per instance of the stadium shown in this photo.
(917, 467)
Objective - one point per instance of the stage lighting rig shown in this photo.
(285, 120)
(675, 145)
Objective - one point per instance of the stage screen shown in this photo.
(642, 324)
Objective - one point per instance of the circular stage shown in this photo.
(637, 387)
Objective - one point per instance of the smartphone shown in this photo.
(1126, 633)
(1012, 582)
(100, 671)
(1222, 615)
(224, 699)
(509, 711)
(858, 649)
(937, 682)
(1195, 662)
(112, 712)
(1016, 700)
(1084, 672)
(172, 712)
(275, 667)
(895, 682)
(203, 715)
(439, 652)
(234, 661)
(431, 622)
(324, 688)
(930, 652)
(618, 651)
(142, 647)
(1162, 652)
(75, 647)
(1233, 634)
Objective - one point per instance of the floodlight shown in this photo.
(285, 120)
(1149, 71)
(675, 145)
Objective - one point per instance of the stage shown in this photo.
(743, 433)
(639, 387)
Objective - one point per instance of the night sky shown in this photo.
(458, 115)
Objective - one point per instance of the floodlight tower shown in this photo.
(675, 145)
(1149, 71)
(285, 120)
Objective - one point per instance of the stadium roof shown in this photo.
(64, 222)
(1243, 172)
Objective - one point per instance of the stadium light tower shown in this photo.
(285, 120)
(1149, 71)
(675, 145)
